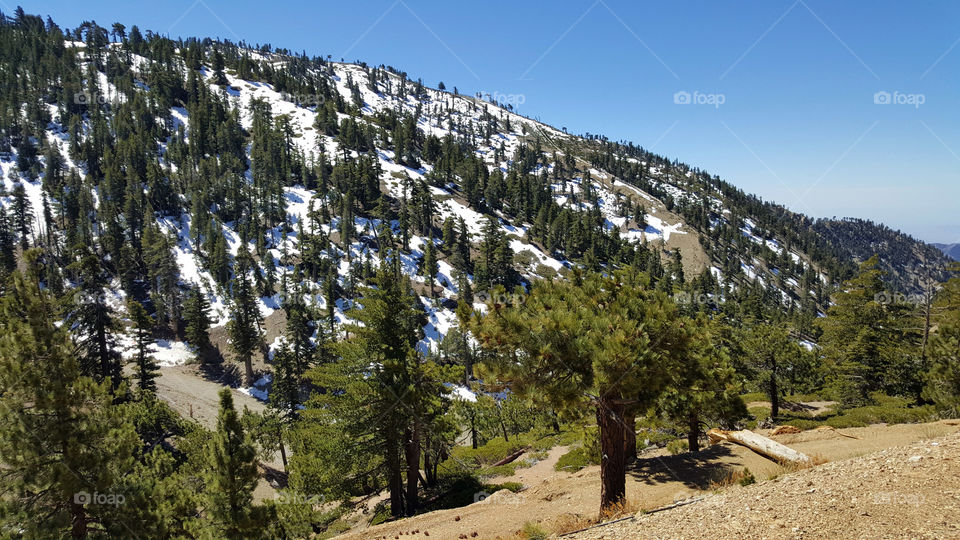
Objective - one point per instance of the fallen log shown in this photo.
(510, 458)
(767, 448)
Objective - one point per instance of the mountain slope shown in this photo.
(308, 166)
(950, 250)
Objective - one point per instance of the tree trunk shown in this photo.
(396, 476)
(693, 432)
(631, 435)
(612, 459)
(412, 443)
(79, 521)
(283, 451)
(767, 448)
(774, 392)
(248, 372)
(503, 427)
(425, 446)
(473, 432)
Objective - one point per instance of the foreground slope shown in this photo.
(908, 491)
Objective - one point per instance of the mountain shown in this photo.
(950, 250)
(300, 166)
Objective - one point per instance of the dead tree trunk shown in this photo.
(767, 448)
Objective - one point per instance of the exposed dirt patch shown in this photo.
(812, 408)
(654, 481)
(909, 491)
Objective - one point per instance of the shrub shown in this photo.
(576, 459)
(532, 531)
(677, 446)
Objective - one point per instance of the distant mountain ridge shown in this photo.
(950, 250)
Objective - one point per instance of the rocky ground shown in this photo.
(909, 491)
(561, 501)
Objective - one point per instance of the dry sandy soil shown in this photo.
(192, 395)
(910, 491)
(657, 480)
(196, 397)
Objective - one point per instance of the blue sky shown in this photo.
(798, 123)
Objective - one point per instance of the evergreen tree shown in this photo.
(943, 380)
(196, 315)
(93, 323)
(703, 387)
(232, 476)
(245, 322)
(430, 267)
(604, 342)
(61, 439)
(22, 214)
(870, 341)
(770, 357)
(145, 366)
(378, 394)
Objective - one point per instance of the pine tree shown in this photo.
(770, 356)
(93, 323)
(145, 366)
(943, 380)
(61, 438)
(449, 235)
(197, 318)
(22, 214)
(430, 267)
(703, 385)
(870, 341)
(245, 322)
(605, 342)
(232, 476)
(376, 392)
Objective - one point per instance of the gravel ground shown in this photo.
(903, 492)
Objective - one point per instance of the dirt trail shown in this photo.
(537, 472)
(910, 491)
(654, 481)
(193, 396)
(187, 391)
